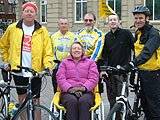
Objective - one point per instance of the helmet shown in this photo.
(141, 9)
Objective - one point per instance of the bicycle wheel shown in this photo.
(3, 106)
(1, 117)
(115, 112)
(39, 113)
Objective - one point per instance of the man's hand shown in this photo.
(128, 67)
(6, 67)
(103, 74)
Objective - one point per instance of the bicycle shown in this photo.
(122, 105)
(5, 95)
(27, 110)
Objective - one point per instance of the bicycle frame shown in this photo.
(29, 98)
(28, 101)
(126, 110)
(122, 99)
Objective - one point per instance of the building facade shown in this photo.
(74, 10)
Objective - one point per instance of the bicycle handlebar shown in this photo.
(4, 84)
(35, 73)
(118, 69)
(114, 70)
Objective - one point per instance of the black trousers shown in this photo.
(54, 80)
(150, 84)
(114, 87)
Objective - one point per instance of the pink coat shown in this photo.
(82, 73)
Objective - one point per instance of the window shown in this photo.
(116, 6)
(43, 11)
(154, 7)
(80, 9)
(1, 7)
(10, 8)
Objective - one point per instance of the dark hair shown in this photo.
(91, 13)
(141, 9)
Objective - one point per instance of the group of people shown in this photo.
(29, 44)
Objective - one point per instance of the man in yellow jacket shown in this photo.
(61, 43)
(147, 59)
(27, 43)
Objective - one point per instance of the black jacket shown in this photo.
(117, 47)
(151, 39)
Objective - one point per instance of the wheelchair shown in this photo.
(97, 111)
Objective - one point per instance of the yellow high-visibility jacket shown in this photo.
(144, 51)
(61, 44)
(41, 47)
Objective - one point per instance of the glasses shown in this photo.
(90, 20)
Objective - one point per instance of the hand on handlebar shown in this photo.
(6, 67)
(103, 74)
(128, 67)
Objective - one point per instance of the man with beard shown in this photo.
(91, 37)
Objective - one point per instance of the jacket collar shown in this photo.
(37, 25)
(117, 30)
(146, 27)
(71, 58)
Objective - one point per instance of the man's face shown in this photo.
(113, 22)
(63, 25)
(89, 21)
(29, 14)
(140, 20)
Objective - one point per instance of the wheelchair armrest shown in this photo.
(98, 101)
(56, 100)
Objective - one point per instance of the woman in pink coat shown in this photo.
(77, 77)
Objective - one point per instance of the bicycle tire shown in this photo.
(2, 117)
(46, 114)
(116, 108)
(4, 106)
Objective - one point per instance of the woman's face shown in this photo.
(76, 51)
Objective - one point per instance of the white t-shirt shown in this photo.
(26, 49)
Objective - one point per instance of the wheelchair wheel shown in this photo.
(116, 112)
(59, 114)
(98, 114)
(43, 114)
